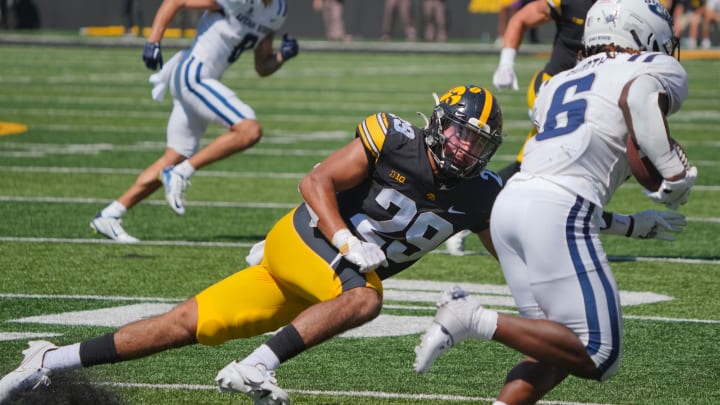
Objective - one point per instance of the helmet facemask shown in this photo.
(460, 146)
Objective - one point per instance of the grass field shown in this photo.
(92, 126)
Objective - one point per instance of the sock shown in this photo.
(499, 403)
(287, 343)
(115, 210)
(484, 323)
(100, 350)
(264, 355)
(184, 169)
(63, 358)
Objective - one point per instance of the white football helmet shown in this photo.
(643, 25)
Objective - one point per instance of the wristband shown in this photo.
(507, 56)
(340, 239)
(620, 225)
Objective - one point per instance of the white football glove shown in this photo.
(504, 78)
(367, 256)
(657, 224)
(674, 193)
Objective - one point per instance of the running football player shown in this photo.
(225, 30)
(546, 221)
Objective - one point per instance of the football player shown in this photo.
(569, 16)
(546, 221)
(371, 209)
(225, 30)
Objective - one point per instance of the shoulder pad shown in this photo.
(372, 132)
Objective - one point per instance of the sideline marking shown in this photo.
(11, 128)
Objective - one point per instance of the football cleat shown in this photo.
(452, 324)
(111, 227)
(175, 185)
(257, 382)
(30, 374)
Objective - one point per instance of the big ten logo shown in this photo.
(397, 176)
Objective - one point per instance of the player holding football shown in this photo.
(546, 221)
(371, 209)
(569, 16)
(225, 30)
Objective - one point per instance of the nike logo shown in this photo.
(452, 210)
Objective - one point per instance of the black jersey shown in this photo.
(401, 207)
(569, 16)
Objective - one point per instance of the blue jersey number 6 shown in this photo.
(574, 110)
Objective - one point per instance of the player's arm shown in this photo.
(345, 168)
(645, 104)
(532, 15)
(167, 11)
(486, 240)
(152, 54)
(267, 61)
(647, 224)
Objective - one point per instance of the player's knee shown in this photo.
(249, 130)
(366, 302)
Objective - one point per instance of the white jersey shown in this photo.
(240, 26)
(193, 75)
(582, 135)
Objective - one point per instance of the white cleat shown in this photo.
(257, 382)
(30, 374)
(175, 186)
(455, 245)
(111, 227)
(452, 324)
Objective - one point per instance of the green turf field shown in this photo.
(92, 126)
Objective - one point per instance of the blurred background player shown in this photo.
(372, 209)
(332, 15)
(224, 32)
(403, 9)
(711, 17)
(569, 17)
(434, 20)
(687, 14)
(546, 221)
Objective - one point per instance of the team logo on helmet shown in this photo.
(453, 96)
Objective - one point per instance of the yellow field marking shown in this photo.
(11, 128)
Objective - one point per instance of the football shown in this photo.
(643, 169)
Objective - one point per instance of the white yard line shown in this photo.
(365, 394)
(397, 282)
(223, 204)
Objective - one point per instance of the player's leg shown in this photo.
(332, 296)
(572, 287)
(529, 381)
(183, 137)
(208, 100)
